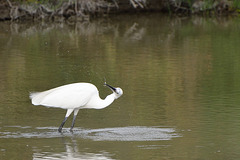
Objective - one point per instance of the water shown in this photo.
(130, 133)
(180, 78)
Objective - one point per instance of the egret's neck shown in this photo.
(106, 102)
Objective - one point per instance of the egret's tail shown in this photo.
(37, 97)
(32, 94)
(33, 97)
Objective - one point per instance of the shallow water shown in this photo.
(130, 133)
(180, 78)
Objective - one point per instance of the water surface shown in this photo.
(180, 78)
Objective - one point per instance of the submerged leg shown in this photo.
(63, 122)
(74, 118)
(69, 111)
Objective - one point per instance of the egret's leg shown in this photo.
(63, 122)
(74, 118)
(69, 111)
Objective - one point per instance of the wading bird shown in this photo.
(73, 97)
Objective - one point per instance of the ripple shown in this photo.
(129, 133)
(132, 133)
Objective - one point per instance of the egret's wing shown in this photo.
(67, 97)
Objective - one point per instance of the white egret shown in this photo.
(73, 97)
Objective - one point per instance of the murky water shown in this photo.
(180, 77)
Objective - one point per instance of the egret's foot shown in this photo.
(61, 126)
(73, 122)
(60, 130)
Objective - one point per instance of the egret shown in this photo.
(73, 97)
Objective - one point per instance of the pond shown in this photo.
(180, 78)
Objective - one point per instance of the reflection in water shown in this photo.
(71, 153)
(71, 150)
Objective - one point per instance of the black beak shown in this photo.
(112, 88)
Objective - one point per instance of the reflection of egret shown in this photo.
(74, 97)
(72, 152)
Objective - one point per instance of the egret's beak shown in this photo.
(112, 88)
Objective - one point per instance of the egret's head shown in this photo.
(117, 91)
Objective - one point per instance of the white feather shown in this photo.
(74, 97)
(68, 96)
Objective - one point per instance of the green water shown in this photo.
(180, 77)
